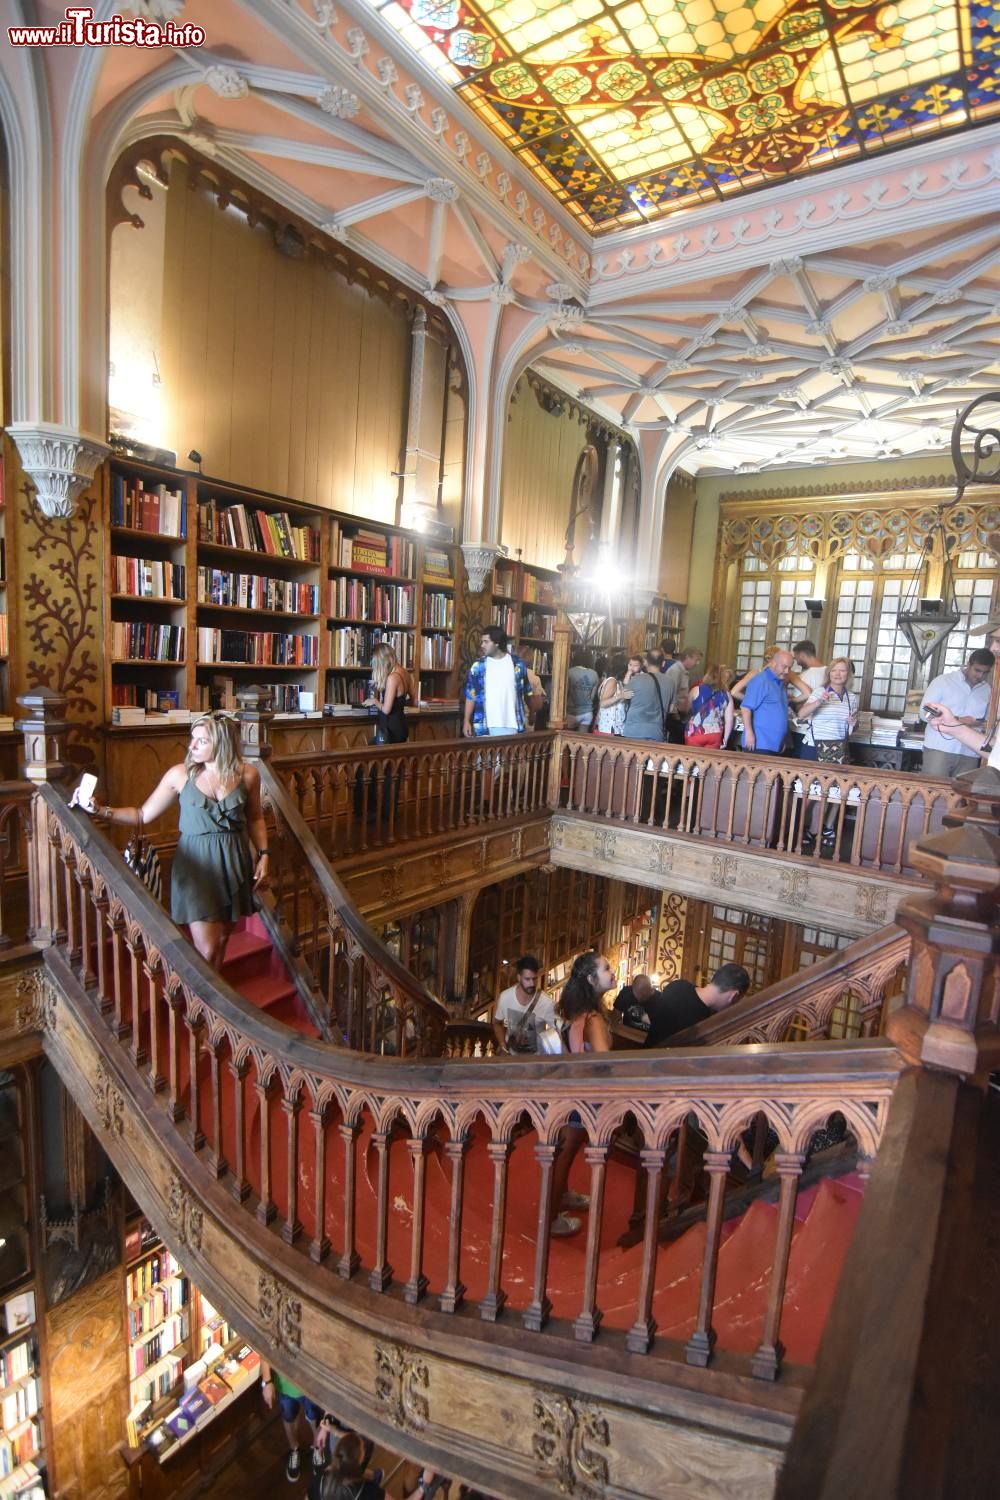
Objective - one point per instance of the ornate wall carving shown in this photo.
(571, 1443)
(402, 1383)
(670, 938)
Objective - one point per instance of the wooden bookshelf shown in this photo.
(23, 1383)
(526, 605)
(390, 585)
(663, 618)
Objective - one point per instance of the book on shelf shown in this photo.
(538, 626)
(344, 694)
(438, 611)
(252, 529)
(378, 603)
(134, 1421)
(257, 647)
(16, 1361)
(20, 1404)
(148, 578)
(505, 615)
(535, 590)
(253, 591)
(365, 550)
(437, 652)
(352, 645)
(128, 715)
(154, 509)
(142, 640)
(4, 633)
(503, 582)
(437, 566)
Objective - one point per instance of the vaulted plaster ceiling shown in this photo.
(844, 316)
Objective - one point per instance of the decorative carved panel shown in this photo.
(402, 1383)
(571, 1444)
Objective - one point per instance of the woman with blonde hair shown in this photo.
(831, 713)
(392, 692)
(213, 876)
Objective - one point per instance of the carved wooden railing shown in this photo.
(763, 801)
(355, 800)
(245, 1096)
(363, 995)
(842, 995)
(16, 921)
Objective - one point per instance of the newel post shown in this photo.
(44, 727)
(950, 1017)
(254, 716)
(560, 668)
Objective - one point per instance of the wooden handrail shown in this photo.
(368, 997)
(181, 1036)
(811, 996)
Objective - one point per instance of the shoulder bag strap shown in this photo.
(523, 1017)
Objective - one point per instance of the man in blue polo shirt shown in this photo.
(765, 707)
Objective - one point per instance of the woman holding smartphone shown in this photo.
(831, 713)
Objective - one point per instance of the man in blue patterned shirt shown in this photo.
(498, 690)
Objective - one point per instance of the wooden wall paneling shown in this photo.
(540, 456)
(88, 1390)
(279, 403)
(298, 334)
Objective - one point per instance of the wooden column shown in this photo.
(319, 1245)
(588, 1319)
(416, 1287)
(254, 716)
(562, 641)
(44, 727)
(350, 1260)
(698, 1350)
(454, 1292)
(492, 1304)
(381, 1272)
(766, 1361)
(640, 1335)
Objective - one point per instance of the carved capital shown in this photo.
(280, 1312)
(37, 1010)
(184, 1213)
(60, 463)
(402, 1381)
(479, 560)
(570, 1445)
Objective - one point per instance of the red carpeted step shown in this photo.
(255, 970)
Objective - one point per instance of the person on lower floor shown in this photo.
(712, 713)
(497, 692)
(581, 685)
(294, 1408)
(613, 698)
(633, 1001)
(522, 1010)
(764, 709)
(966, 694)
(581, 1010)
(830, 714)
(644, 716)
(682, 1004)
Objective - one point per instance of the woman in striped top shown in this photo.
(831, 712)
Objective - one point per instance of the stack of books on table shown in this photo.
(128, 715)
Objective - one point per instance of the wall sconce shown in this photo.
(814, 608)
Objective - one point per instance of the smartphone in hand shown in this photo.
(83, 795)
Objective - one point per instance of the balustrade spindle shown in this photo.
(72, 945)
(454, 1291)
(240, 1187)
(492, 1304)
(175, 1107)
(266, 1207)
(137, 1051)
(416, 1286)
(380, 1276)
(539, 1309)
(640, 1335)
(698, 1350)
(586, 1323)
(195, 1133)
(217, 1163)
(88, 977)
(106, 999)
(154, 983)
(766, 1361)
(319, 1245)
(350, 1260)
(291, 1228)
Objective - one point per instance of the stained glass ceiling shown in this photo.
(628, 109)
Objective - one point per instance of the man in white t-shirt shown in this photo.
(498, 690)
(521, 1011)
(808, 665)
(967, 694)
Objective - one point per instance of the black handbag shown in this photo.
(144, 861)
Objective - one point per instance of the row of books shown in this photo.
(505, 615)
(145, 1353)
(369, 551)
(20, 1404)
(347, 692)
(154, 1307)
(4, 636)
(28, 1484)
(439, 611)
(140, 640)
(258, 647)
(153, 700)
(251, 591)
(156, 509)
(382, 603)
(145, 578)
(149, 1273)
(541, 627)
(538, 661)
(255, 530)
(15, 1362)
(352, 646)
(286, 697)
(536, 590)
(19, 1447)
(437, 652)
(161, 1381)
(437, 566)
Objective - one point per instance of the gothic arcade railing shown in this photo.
(771, 803)
(362, 993)
(843, 995)
(265, 1110)
(355, 800)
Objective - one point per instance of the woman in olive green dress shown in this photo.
(213, 875)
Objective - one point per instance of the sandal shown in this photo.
(563, 1225)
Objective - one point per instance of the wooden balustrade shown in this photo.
(362, 994)
(356, 800)
(16, 917)
(263, 1110)
(843, 995)
(871, 817)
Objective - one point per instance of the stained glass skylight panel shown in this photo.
(627, 109)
